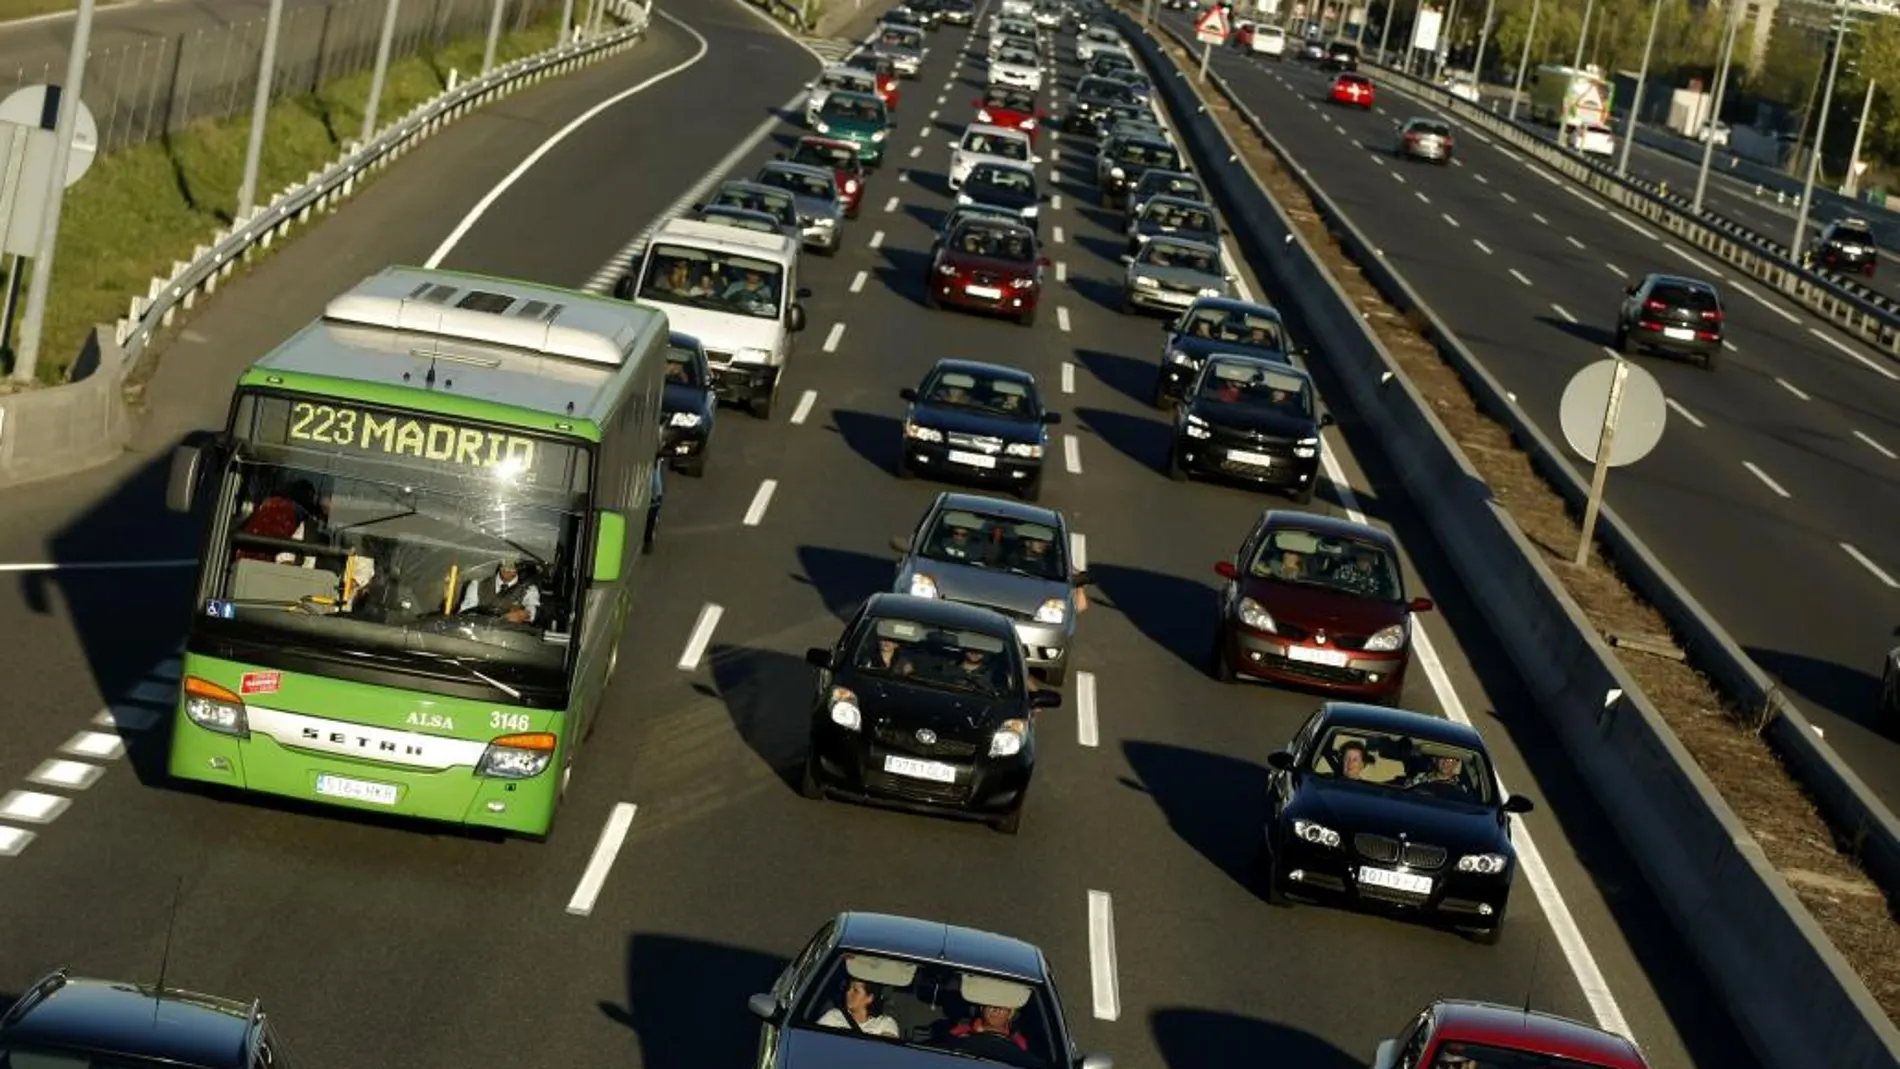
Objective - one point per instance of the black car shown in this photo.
(1340, 56)
(927, 982)
(1105, 64)
(1004, 186)
(957, 12)
(66, 1020)
(1672, 314)
(1217, 325)
(963, 213)
(1381, 805)
(1094, 96)
(1847, 245)
(1129, 159)
(1176, 217)
(1159, 183)
(925, 704)
(689, 405)
(743, 219)
(1134, 80)
(1250, 418)
(980, 422)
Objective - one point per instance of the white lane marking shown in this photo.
(67, 775)
(701, 636)
(1449, 219)
(1573, 241)
(1633, 226)
(805, 403)
(1700, 263)
(1540, 219)
(877, 239)
(1519, 275)
(1482, 180)
(1062, 271)
(915, 151)
(857, 281)
(832, 339)
(1397, 177)
(1068, 378)
(1421, 196)
(942, 98)
(33, 807)
(1055, 202)
(1055, 156)
(1087, 731)
(1619, 272)
(97, 565)
(1561, 314)
(1507, 196)
(1058, 235)
(1062, 318)
(601, 862)
(1876, 446)
(890, 206)
(1791, 388)
(1482, 247)
(14, 840)
(1816, 331)
(1676, 406)
(1104, 982)
(1078, 551)
(903, 176)
(488, 200)
(1072, 454)
(1861, 559)
(1584, 197)
(755, 513)
(933, 116)
(1758, 299)
(1766, 481)
(99, 745)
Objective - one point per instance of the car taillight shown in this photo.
(1712, 317)
(1653, 305)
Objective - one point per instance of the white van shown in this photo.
(1268, 40)
(736, 291)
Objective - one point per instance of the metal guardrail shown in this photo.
(323, 190)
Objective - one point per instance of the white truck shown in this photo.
(1567, 97)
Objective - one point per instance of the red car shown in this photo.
(1353, 89)
(843, 160)
(886, 76)
(988, 265)
(1486, 1034)
(1011, 109)
(1317, 602)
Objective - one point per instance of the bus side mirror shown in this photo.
(610, 545)
(181, 486)
(623, 288)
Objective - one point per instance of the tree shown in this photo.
(1877, 57)
(1788, 70)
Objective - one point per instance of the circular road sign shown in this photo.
(37, 107)
(1639, 424)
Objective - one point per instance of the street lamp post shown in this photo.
(1851, 187)
(1715, 106)
(1484, 38)
(1636, 102)
(1583, 34)
(1391, 8)
(1820, 135)
(1523, 61)
(1442, 53)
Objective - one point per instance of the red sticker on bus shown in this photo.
(261, 683)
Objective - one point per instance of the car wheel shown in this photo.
(1013, 823)
(1027, 319)
(1266, 877)
(808, 785)
(1623, 343)
(1304, 495)
(694, 467)
(1219, 666)
(1488, 937)
(1057, 676)
(761, 407)
(828, 251)
(1175, 471)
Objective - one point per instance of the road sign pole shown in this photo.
(260, 110)
(1206, 51)
(27, 365)
(370, 107)
(494, 35)
(1601, 475)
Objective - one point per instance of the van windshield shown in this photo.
(715, 281)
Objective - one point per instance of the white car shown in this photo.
(1017, 69)
(1004, 26)
(982, 143)
(836, 79)
(1721, 134)
(1048, 16)
(1097, 39)
(1268, 41)
(1462, 86)
(1593, 139)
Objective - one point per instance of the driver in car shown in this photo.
(505, 595)
(749, 290)
(999, 1021)
(1445, 770)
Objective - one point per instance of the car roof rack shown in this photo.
(36, 994)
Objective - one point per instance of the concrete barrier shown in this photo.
(48, 433)
(1792, 995)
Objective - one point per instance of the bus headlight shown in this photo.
(517, 756)
(215, 709)
(844, 709)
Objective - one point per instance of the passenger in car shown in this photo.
(861, 1013)
(1351, 760)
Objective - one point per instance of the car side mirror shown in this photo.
(1051, 418)
(623, 288)
(1421, 605)
(1045, 699)
(1226, 570)
(817, 657)
(796, 321)
(908, 393)
(699, 207)
(764, 1007)
(1518, 804)
(181, 486)
(1081, 578)
(1325, 419)
(1280, 761)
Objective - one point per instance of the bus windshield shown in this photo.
(402, 541)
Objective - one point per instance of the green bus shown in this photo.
(416, 559)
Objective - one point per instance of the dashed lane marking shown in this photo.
(613, 836)
(762, 500)
(1766, 481)
(1876, 446)
(858, 280)
(1519, 275)
(1087, 730)
(1791, 388)
(805, 403)
(1676, 406)
(701, 637)
(1105, 981)
(834, 337)
(1071, 454)
(1861, 559)
(66, 775)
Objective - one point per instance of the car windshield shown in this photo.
(937, 656)
(1010, 180)
(1100, 89)
(849, 82)
(967, 212)
(981, 540)
(402, 539)
(1457, 1054)
(871, 63)
(774, 204)
(1148, 155)
(901, 38)
(1006, 396)
(854, 107)
(1179, 216)
(716, 281)
(743, 220)
(992, 144)
(798, 183)
(1399, 762)
(935, 1007)
(1853, 236)
(1263, 388)
(1010, 243)
(1429, 126)
(1311, 558)
(1173, 185)
(1676, 295)
(820, 154)
(1017, 57)
(1240, 328)
(682, 366)
(1009, 99)
(1177, 256)
(1355, 80)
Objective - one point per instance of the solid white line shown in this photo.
(1561, 314)
(832, 339)
(1792, 388)
(890, 205)
(805, 401)
(1877, 447)
(99, 745)
(1062, 271)
(1106, 984)
(857, 282)
(877, 240)
(1068, 377)
(67, 775)
(98, 566)
(32, 807)
(1766, 481)
(1421, 196)
(1449, 219)
(702, 635)
(1816, 331)
(1087, 730)
(1058, 235)
(760, 502)
(1540, 219)
(1507, 196)
(14, 840)
(594, 877)
(1683, 412)
(1573, 241)
(1633, 226)
(1482, 247)
(1519, 275)
(1758, 299)
(1861, 558)
(1062, 318)
(1072, 454)
(1078, 551)
(488, 201)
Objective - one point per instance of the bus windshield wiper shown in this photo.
(476, 673)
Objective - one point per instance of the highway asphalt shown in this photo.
(374, 944)
(1771, 494)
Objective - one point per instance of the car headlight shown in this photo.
(922, 586)
(824, 127)
(1117, 172)
(947, 270)
(1144, 280)
(964, 198)
(1022, 283)
(1388, 638)
(684, 419)
(922, 434)
(1176, 356)
(752, 356)
(1483, 864)
(827, 221)
(1053, 611)
(1009, 739)
(517, 756)
(1315, 833)
(215, 709)
(1210, 291)
(844, 709)
(880, 135)
(1252, 615)
(1023, 449)
(1032, 211)
(1306, 447)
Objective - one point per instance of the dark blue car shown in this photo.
(1218, 325)
(980, 423)
(689, 405)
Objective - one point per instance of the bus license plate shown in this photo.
(930, 770)
(1395, 881)
(357, 790)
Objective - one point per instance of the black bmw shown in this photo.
(1252, 419)
(1386, 806)
(689, 405)
(977, 422)
(1217, 325)
(925, 704)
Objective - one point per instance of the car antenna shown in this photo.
(1530, 982)
(165, 956)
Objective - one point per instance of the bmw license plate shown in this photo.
(989, 293)
(974, 460)
(1330, 658)
(1395, 881)
(1679, 333)
(1258, 460)
(357, 790)
(935, 771)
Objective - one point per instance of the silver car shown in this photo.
(1017, 68)
(1424, 139)
(1005, 555)
(1169, 274)
(814, 193)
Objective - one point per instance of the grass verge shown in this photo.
(14, 10)
(137, 211)
(1727, 742)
